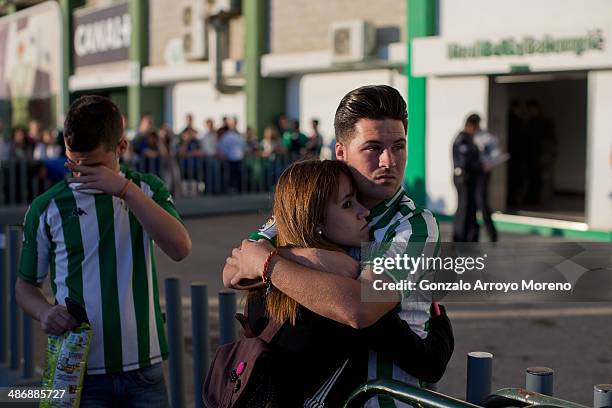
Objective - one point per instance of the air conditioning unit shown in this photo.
(224, 7)
(193, 30)
(352, 41)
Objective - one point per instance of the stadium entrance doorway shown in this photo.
(541, 120)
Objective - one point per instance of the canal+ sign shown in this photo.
(101, 35)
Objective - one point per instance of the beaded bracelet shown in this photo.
(266, 276)
(124, 189)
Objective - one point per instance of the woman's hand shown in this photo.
(247, 262)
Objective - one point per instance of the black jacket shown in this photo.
(466, 158)
(310, 352)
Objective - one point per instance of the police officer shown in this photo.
(467, 171)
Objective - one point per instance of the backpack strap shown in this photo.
(270, 331)
(267, 334)
(244, 322)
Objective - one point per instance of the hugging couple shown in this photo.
(311, 283)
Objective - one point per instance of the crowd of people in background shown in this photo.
(31, 159)
(31, 143)
(225, 141)
(218, 150)
(221, 149)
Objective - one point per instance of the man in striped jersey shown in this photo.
(370, 125)
(94, 232)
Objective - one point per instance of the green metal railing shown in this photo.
(417, 397)
(530, 398)
(423, 398)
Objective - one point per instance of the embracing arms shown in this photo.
(333, 295)
(337, 296)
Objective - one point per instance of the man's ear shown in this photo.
(340, 152)
(122, 146)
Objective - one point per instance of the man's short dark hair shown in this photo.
(92, 121)
(473, 119)
(376, 102)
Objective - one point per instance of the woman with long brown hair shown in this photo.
(319, 359)
(315, 207)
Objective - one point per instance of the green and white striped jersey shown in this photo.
(412, 230)
(99, 255)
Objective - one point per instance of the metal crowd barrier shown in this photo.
(21, 180)
(209, 176)
(200, 329)
(16, 327)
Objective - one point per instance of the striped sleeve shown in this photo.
(34, 263)
(416, 235)
(161, 195)
(268, 231)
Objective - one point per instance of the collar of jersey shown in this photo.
(126, 170)
(385, 205)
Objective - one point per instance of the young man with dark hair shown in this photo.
(370, 125)
(95, 233)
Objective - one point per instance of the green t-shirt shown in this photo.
(294, 141)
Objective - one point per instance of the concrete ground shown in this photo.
(574, 339)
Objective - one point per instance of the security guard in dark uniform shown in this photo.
(467, 170)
